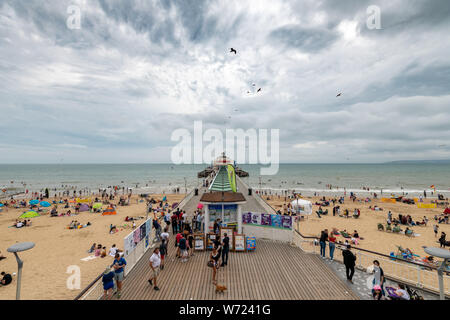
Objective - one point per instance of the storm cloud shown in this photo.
(115, 89)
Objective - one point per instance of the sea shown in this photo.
(389, 178)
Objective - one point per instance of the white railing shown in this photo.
(394, 269)
(95, 291)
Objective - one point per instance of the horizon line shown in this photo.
(169, 163)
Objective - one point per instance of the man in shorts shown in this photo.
(163, 252)
(119, 266)
(155, 263)
(183, 248)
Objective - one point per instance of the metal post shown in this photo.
(418, 277)
(19, 275)
(440, 272)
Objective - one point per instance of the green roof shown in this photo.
(221, 181)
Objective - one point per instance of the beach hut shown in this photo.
(84, 207)
(45, 204)
(302, 206)
(29, 214)
(109, 211)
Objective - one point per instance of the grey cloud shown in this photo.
(305, 39)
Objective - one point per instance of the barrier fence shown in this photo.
(94, 290)
(132, 254)
(399, 270)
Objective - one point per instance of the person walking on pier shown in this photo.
(349, 262)
(332, 244)
(225, 249)
(214, 263)
(155, 263)
(322, 241)
(119, 265)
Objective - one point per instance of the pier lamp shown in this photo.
(444, 254)
(19, 247)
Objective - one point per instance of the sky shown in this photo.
(114, 90)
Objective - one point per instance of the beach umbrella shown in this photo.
(164, 199)
(97, 205)
(200, 206)
(1, 205)
(34, 202)
(29, 214)
(45, 204)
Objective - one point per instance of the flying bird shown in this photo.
(259, 90)
(339, 94)
(233, 50)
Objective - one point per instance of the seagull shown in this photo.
(233, 50)
(259, 90)
(339, 94)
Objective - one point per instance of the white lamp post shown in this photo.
(19, 247)
(444, 254)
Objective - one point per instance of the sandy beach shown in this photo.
(44, 274)
(366, 224)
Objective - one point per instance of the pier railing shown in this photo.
(94, 290)
(395, 269)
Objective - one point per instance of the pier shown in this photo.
(276, 270)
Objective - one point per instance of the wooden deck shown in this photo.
(275, 271)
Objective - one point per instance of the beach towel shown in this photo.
(88, 258)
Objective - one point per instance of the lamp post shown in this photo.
(444, 254)
(19, 247)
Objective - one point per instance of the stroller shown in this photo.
(413, 294)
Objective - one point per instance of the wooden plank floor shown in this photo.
(275, 271)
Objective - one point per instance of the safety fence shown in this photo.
(395, 269)
(94, 290)
(136, 245)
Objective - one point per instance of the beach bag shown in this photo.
(210, 264)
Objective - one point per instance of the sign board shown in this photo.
(251, 243)
(199, 242)
(268, 220)
(229, 232)
(239, 242)
(210, 238)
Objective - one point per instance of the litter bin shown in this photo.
(249, 191)
(196, 191)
